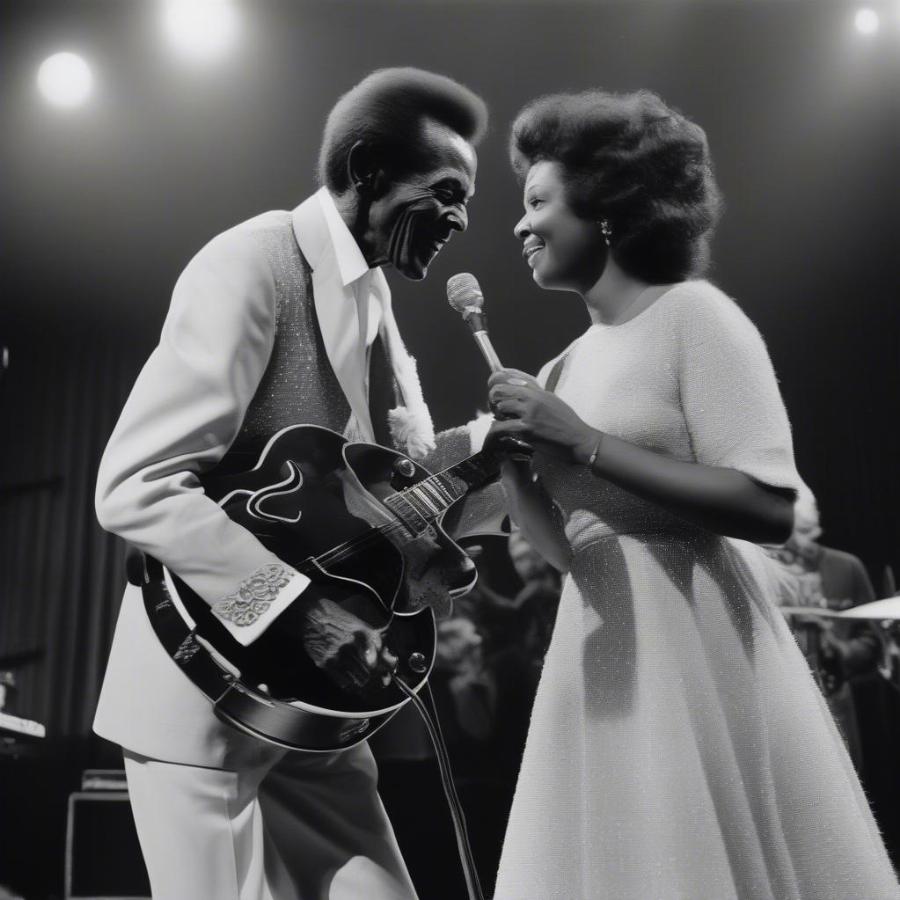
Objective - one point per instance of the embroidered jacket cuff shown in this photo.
(259, 600)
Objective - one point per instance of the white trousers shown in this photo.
(280, 826)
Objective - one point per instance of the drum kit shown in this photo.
(883, 617)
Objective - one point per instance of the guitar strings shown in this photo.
(389, 529)
(439, 480)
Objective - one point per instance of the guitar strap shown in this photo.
(555, 373)
(180, 641)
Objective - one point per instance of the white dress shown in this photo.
(679, 748)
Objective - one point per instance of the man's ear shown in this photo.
(365, 172)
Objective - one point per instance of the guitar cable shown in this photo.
(432, 725)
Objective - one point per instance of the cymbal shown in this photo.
(821, 612)
(889, 608)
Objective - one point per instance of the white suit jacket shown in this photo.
(185, 410)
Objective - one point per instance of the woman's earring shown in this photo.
(605, 230)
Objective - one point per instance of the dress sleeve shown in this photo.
(729, 393)
(183, 413)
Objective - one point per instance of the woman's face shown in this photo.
(565, 252)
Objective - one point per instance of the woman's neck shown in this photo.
(617, 296)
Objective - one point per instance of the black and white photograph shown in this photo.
(449, 450)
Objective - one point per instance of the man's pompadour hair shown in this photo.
(388, 110)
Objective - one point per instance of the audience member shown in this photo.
(829, 579)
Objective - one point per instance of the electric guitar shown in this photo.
(356, 515)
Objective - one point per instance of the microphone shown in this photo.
(464, 295)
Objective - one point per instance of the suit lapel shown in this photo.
(335, 309)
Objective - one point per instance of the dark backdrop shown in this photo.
(101, 208)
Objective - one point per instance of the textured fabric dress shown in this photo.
(679, 748)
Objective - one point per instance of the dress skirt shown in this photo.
(679, 748)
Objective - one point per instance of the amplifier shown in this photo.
(14, 725)
(104, 780)
(103, 856)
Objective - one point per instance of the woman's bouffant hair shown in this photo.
(629, 159)
(387, 110)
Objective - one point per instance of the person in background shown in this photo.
(539, 597)
(836, 650)
(524, 621)
(471, 693)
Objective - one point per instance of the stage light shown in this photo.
(65, 80)
(200, 29)
(866, 21)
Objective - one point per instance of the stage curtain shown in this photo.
(61, 576)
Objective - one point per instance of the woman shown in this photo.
(678, 747)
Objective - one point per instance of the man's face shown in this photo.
(417, 214)
(458, 642)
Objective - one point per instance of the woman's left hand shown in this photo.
(524, 409)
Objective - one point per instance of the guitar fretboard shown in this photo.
(420, 504)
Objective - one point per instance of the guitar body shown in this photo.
(334, 511)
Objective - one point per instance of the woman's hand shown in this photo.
(524, 409)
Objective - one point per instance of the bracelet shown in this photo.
(593, 457)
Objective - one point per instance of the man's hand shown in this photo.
(350, 651)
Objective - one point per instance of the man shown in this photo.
(830, 579)
(281, 320)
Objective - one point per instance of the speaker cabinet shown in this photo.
(103, 856)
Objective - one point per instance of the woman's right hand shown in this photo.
(529, 412)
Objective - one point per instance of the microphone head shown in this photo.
(464, 293)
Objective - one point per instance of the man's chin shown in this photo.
(414, 269)
(413, 273)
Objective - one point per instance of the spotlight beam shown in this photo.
(65, 80)
(200, 30)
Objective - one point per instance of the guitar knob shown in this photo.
(404, 467)
(418, 663)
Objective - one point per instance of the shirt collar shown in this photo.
(351, 263)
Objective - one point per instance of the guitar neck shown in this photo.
(471, 473)
(429, 498)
